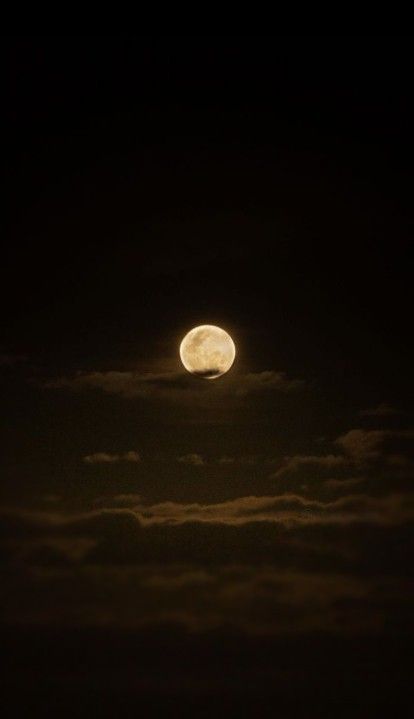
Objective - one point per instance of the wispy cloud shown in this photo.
(284, 563)
(359, 449)
(111, 458)
(180, 387)
(196, 460)
(267, 380)
(286, 509)
(226, 460)
(362, 445)
(262, 600)
(296, 462)
(381, 410)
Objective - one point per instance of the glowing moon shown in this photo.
(207, 351)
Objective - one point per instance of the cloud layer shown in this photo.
(175, 386)
(262, 565)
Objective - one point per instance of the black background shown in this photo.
(152, 183)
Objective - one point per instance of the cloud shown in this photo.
(101, 458)
(194, 459)
(362, 445)
(126, 384)
(56, 551)
(296, 462)
(270, 565)
(273, 565)
(285, 509)
(381, 410)
(197, 460)
(109, 458)
(250, 599)
(131, 456)
(379, 450)
(258, 600)
(288, 510)
(267, 380)
(180, 387)
(24, 522)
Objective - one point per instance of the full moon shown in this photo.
(207, 351)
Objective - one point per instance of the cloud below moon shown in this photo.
(174, 386)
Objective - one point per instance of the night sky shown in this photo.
(172, 546)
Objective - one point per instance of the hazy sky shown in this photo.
(242, 542)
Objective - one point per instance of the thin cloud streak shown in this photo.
(195, 460)
(286, 509)
(381, 410)
(111, 458)
(296, 462)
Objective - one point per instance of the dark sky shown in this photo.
(172, 546)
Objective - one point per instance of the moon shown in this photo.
(207, 351)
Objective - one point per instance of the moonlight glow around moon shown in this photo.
(207, 351)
